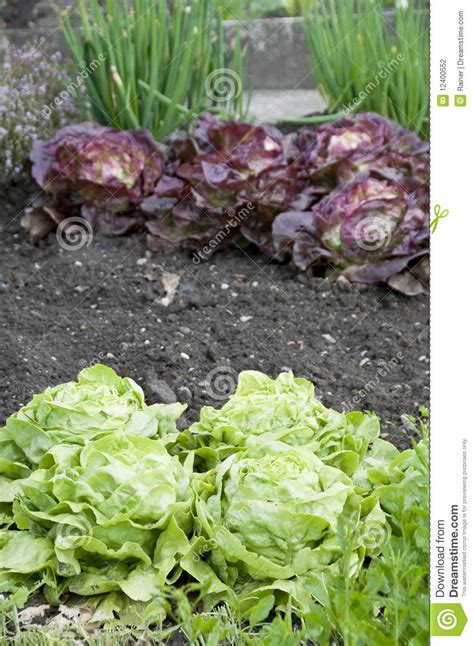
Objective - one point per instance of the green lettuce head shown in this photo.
(110, 517)
(268, 516)
(399, 480)
(285, 409)
(99, 403)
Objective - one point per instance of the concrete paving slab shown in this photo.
(275, 105)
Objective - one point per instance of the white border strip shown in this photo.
(452, 265)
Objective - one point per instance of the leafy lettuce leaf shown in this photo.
(226, 183)
(369, 229)
(286, 410)
(269, 516)
(110, 516)
(288, 503)
(99, 403)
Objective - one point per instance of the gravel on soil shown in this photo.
(183, 330)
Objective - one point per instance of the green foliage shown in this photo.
(100, 403)
(273, 545)
(264, 410)
(361, 63)
(390, 598)
(241, 9)
(148, 66)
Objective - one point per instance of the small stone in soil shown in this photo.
(343, 283)
(161, 389)
(185, 394)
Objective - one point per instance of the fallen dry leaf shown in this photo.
(406, 283)
(71, 616)
(170, 284)
(422, 270)
(27, 615)
(39, 221)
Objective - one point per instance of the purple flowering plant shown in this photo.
(29, 81)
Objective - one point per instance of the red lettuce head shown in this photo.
(98, 163)
(370, 229)
(360, 146)
(234, 165)
(100, 173)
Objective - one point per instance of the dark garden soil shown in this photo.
(363, 347)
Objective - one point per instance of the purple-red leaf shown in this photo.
(369, 229)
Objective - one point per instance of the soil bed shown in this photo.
(363, 347)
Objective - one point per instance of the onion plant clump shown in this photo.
(273, 506)
(248, 9)
(155, 65)
(366, 59)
